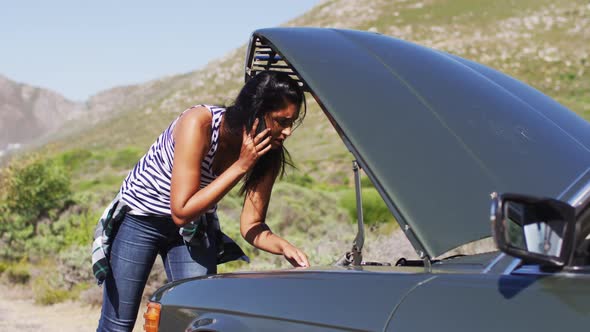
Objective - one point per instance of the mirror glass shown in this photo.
(536, 228)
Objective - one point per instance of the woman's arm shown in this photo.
(192, 135)
(256, 231)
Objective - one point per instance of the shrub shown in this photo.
(14, 233)
(68, 234)
(37, 211)
(300, 179)
(79, 229)
(74, 266)
(374, 209)
(295, 208)
(92, 296)
(47, 294)
(18, 273)
(32, 188)
(75, 228)
(126, 158)
(366, 183)
(3, 267)
(74, 159)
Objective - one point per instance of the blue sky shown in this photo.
(78, 48)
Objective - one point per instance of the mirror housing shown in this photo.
(536, 230)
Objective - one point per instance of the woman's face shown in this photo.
(280, 123)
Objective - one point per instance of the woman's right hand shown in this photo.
(253, 146)
(296, 257)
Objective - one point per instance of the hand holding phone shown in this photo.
(261, 124)
(253, 147)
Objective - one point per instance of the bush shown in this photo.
(73, 159)
(34, 190)
(15, 231)
(61, 278)
(74, 228)
(79, 228)
(366, 183)
(374, 209)
(74, 266)
(38, 213)
(126, 158)
(18, 273)
(35, 186)
(300, 179)
(47, 294)
(92, 296)
(295, 209)
(3, 267)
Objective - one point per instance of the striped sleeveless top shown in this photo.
(146, 189)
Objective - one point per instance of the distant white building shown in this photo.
(13, 146)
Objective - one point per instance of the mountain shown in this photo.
(34, 116)
(28, 113)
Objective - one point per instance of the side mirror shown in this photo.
(537, 230)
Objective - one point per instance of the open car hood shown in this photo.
(437, 134)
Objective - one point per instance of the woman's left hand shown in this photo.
(296, 257)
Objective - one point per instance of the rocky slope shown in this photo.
(28, 113)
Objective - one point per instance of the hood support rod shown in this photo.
(359, 240)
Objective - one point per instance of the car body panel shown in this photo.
(568, 120)
(436, 135)
(223, 321)
(496, 303)
(322, 299)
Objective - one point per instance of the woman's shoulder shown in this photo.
(197, 117)
(205, 111)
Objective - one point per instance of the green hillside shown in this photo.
(543, 43)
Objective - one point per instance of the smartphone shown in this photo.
(261, 124)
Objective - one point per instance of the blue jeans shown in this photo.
(135, 247)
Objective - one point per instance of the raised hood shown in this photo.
(436, 133)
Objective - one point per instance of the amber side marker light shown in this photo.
(152, 317)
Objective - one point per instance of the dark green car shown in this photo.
(445, 141)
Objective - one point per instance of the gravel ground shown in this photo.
(18, 313)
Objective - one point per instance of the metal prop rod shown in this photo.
(359, 241)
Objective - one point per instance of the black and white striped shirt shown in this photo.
(146, 190)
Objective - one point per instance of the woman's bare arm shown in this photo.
(254, 229)
(192, 135)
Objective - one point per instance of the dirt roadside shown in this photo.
(18, 313)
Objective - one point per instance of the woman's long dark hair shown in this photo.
(268, 91)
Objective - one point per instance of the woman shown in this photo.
(203, 154)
